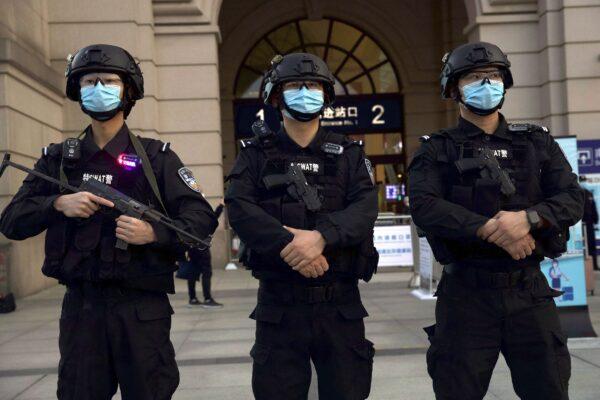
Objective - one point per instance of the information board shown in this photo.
(354, 114)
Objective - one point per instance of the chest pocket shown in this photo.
(467, 186)
(332, 184)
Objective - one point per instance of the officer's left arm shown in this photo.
(186, 206)
(353, 224)
(564, 198)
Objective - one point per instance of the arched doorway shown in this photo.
(368, 105)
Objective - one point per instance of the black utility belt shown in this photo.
(479, 277)
(333, 292)
(104, 289)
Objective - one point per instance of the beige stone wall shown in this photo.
(30, 117)
(554, 47)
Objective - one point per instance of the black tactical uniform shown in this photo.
(487, 301)
(116, 316)
(300, 319)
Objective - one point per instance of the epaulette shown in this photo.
(526, 128)
(440, 133)
(359, 143)
(154, 146)
(53, 150)
(245, 143)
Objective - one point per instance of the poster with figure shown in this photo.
(567, 273)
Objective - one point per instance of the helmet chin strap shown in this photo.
(300, 116)
(105, 115)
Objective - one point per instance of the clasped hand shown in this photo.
(510, 231)
(304, 253)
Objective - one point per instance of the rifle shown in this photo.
(297, 186)
(490, 169)
(123, 203)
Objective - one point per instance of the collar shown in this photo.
(288, 143)
(115, 147)
(471, 130)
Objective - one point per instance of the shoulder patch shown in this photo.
(188, 178)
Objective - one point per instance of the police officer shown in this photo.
(493, 199)
(116, 317)
(308, 259)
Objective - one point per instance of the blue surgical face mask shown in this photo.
(304, 101)
(484, 95)
(100, 98)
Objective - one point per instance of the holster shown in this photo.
(367, 259)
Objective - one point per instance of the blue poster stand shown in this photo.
(567, 273)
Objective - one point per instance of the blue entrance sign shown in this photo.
(357, 114)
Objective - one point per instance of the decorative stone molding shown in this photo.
(19, 57)
(508, 6)
(185, 12)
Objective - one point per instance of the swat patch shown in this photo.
(504, 154)
(308, 166)
(370, 170)
(187, 177)
(107, 179)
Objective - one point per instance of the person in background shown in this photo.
(590, 218)
(196, 264)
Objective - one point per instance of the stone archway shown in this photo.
(409, 35)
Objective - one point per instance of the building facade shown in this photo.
(202, 58)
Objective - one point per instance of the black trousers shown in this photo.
(111, 336)
(206, 276)
(474, 324)
(295, 325)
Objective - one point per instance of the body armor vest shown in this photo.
(327, 172)
(84, 249)
(522, 157)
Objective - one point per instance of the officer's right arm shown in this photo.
(31, 209)
(257, 229)
(429, 210)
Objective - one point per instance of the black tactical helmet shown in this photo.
(295, 67)
(105, 58)
(470, 56)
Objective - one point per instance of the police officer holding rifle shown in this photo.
(115, 240)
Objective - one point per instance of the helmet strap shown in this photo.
(103, 115)
(300, 116)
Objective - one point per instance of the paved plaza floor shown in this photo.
(213, 345)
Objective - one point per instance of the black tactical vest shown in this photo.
(84, 249)
(522, 158)
(328, 172)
